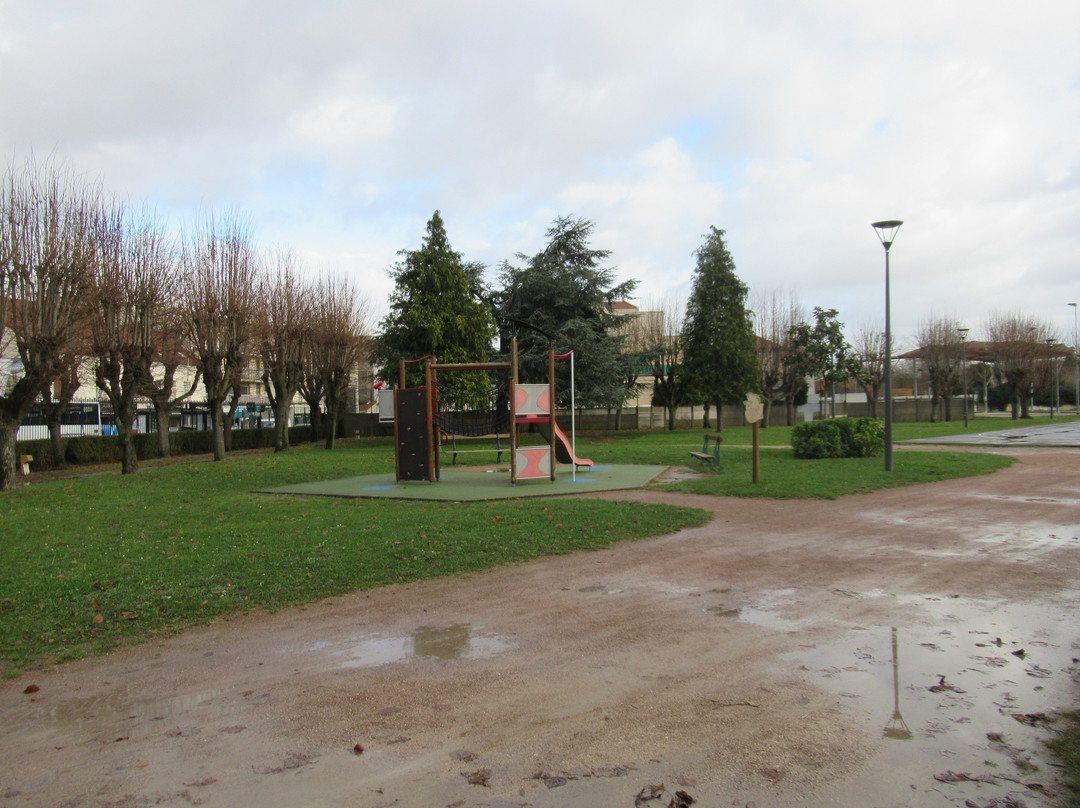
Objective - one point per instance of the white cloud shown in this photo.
(341, 127)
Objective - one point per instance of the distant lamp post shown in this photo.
(1076, 359)
(1053, 373)
(963, 366)
(886, 231)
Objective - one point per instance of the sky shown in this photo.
(338, 128)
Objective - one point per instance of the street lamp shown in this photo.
(886, 232)
(1076, 358)
(1050, 353)
(963, 365)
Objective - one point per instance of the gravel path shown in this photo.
(891, 649)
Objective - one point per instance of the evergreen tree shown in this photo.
(435, 308)
(566, 292)
(720, 355)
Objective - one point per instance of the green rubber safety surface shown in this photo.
(460, 485)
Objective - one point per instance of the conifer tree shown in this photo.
(719, 343)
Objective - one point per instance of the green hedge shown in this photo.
(95, 449)
(839, 437)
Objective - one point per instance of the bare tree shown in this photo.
(220, 280)
(284, 331)
(870, 346)
(940, 349)
(341, 319)
(983, 374)
(134, 270)
(46, 258)
(312, 387)
(661, 339)
(776, 315)
(58, 395)
(172, 352)
(1017, 342)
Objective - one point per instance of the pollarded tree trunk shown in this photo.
(8, 429)
(163, 411)
(125, 426)
(217, 417)
(330, 424)
(56, 442)
(281, 424)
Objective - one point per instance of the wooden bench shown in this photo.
(710, 458)
(499, 449)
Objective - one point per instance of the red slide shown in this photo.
(564, 452)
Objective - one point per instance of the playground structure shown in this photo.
(423, 420)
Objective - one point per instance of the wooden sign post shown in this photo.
(755, 410)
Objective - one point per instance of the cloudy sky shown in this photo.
(337, 128)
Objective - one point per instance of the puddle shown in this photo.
(722, 611)
(457, 641)
(1034, 500)
(962, 695)
(600, 588)
(763, 611)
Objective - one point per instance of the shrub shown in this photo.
(90, 449)
(839, 437)
(817, 439)
(867, 438)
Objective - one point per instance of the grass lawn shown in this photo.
(91, 561)
(88, 562)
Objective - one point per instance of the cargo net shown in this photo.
(470, 410)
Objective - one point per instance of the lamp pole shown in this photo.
(963, 365)
(886, 232)
(1076, 359)
(1050, 353)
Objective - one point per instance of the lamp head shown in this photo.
(886, 231)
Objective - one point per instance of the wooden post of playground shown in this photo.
(513, 410)
(433, 430)
(551, 398)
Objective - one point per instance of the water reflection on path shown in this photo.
(961, 705)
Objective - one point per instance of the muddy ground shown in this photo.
(895, 649)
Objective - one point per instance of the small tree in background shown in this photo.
(870, 348)
(776, 315)
(821, 352)
(663, 336)
(719, 344)
(1018, 345)
(940, 350)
